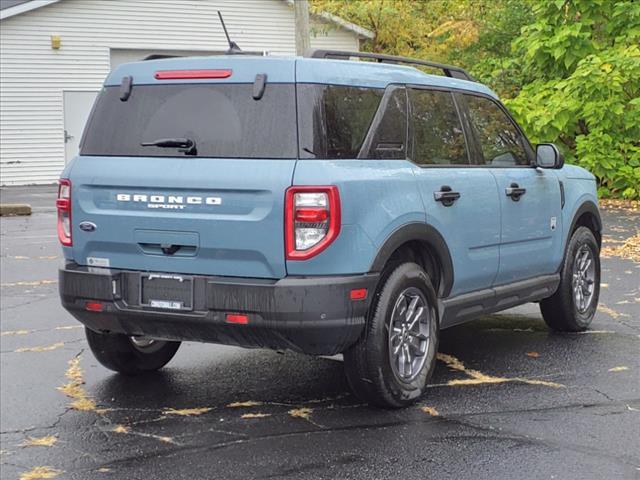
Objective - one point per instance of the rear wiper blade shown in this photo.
(185, 145)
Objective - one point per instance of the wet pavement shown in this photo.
(508, 399)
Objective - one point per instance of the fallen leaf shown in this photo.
(84, 405)
(248, 403)
(69, 327)
(479, 378)
(38, 473)
(15, 332)
(74, 389)
(431, 411)
(47, 441)
(533, 354)
(47, 348)
(301, 413)
(618, 369)
(610, 311)
(103, 470)
(604, 285)
(187, 412)
(121, 429)
(255, 415)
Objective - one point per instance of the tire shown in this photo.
(565, 310)
(375, 374)
(128, 356)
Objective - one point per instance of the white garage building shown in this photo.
(55, 54)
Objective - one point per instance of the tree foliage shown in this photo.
(581, 64)
(569, 70)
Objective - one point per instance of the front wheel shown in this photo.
(391, 363)
(573, 306)
(130, 355)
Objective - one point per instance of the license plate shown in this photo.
(166, 304)
(166, 291)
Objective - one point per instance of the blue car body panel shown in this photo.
(241, 237)
(492, 240)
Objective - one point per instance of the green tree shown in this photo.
(580, 61)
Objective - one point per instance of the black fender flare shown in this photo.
(586, 207)
(423, 233)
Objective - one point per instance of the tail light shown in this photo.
(312, 220)
(63, 204)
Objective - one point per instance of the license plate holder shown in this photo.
(166, 291)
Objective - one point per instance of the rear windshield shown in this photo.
(222, 121)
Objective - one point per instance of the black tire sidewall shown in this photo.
(404, 276)
(117, 352)
(582, 236)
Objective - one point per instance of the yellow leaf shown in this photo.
(301, 413)
(618, 369)
(255, 415)
(431, 411)
(38, 473)
(248, 403)
(47, 348)
(187, 412)
(606, 67)
(47, 441)
(121, 429)
(14, 332)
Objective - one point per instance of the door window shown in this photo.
(437, 133)
(501, 142)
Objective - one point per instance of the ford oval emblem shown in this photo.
(87, 226)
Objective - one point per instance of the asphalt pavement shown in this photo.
(509, 399)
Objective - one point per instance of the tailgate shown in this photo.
(209, 216)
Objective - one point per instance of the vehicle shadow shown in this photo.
(197, 378)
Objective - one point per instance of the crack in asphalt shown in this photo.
(490, 433)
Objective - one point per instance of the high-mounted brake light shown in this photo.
(191, 74)
(312, 220)
(63, 205)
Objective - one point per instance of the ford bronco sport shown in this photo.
(319, 204)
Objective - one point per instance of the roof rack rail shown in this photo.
(448, 70)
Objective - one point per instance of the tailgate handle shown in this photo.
(168, 249)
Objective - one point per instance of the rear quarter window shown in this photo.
(222, 120)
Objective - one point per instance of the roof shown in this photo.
(10, 8)
(289, 70)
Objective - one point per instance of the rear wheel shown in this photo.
(130, 355)
(573, 306)
(393, 360)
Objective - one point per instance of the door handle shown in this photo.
(446, 196)
(515, 191)
(67, 137)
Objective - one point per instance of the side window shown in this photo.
(501, 142)
(334, 120)
(387, 137)
(437, 134)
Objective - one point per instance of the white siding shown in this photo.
(33, 75)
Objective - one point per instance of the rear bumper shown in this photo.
(313, 315)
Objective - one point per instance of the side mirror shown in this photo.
(548, 156)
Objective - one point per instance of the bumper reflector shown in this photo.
(237, 318)
(94, 306)
(358, 294)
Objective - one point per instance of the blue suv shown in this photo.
(320, 204)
